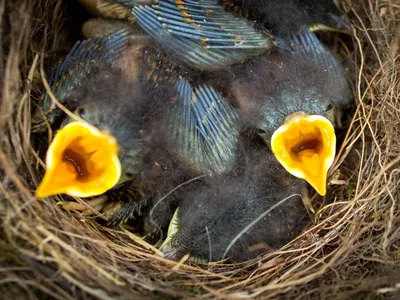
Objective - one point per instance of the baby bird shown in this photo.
(291, 97)
(105, 147)
(237, 216)
(87, 158)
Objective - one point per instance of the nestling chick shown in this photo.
(240, 215)
(202, 132)
(200, 33)
(291, 96)
(88, 158)
(91, 157)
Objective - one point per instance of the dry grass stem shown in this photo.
(352, 248)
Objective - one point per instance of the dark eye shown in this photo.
(260, 132)
(81, 112)
(263, 134)
(129, 175)
(329, 107)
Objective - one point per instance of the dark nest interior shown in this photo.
(351, 250)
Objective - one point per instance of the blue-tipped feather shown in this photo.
(201, 33)
(84, 58)
(204, 128)
(309, 47)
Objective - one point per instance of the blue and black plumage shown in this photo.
(193, 133)
(201, 33)
(84, 58)
(204, 128)
(201, 128)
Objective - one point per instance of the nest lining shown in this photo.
(352, 249)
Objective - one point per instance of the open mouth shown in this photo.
(305, 146)
(81, 161)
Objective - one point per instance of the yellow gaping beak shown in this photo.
(305, 146)
(81, 161)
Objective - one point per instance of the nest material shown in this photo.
(352, 250)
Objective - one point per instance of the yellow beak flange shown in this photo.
(305, 145)
(81, 161)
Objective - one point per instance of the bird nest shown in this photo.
(350, 250)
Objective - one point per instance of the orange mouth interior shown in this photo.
(81, 161)
(305, 146)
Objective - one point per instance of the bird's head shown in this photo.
(303, 137)
(104, 148)
(292, 97)
(298, 125)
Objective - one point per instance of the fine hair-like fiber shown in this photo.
(351, 250)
